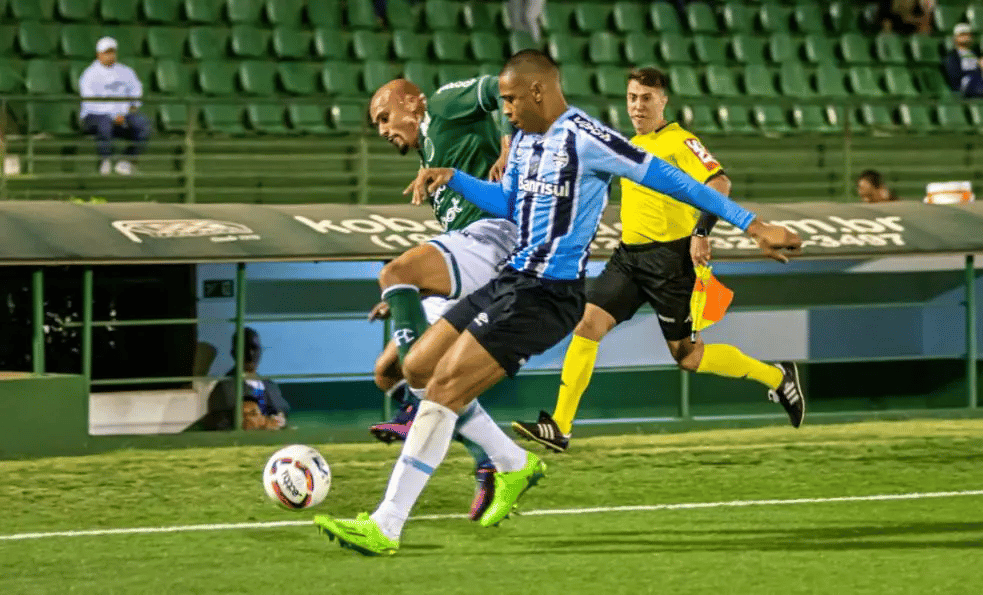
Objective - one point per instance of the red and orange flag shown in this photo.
(710, 299)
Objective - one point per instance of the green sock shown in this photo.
(408, 319)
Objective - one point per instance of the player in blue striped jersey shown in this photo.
(555, 189)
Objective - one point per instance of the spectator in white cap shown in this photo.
(106, 78)
(962, 65)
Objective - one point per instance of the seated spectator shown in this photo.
(105, 77)
(263, 407)
(962, 65)
(871, 187)
(907, 16)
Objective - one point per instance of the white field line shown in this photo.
(543, 512)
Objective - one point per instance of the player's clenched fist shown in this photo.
(428, 179)
(776, 241)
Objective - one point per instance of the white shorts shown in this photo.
(474, 256)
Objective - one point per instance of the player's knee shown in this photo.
(417, 368)
(445, 389)
(397, 272)
(386, 374)
(686, 355)
(592, 327)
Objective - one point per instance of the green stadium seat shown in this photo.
(639, 49)
(349, 116)
(143, 67)
(490, 69)
(709, 49)
(75, 70)
(604, 48)
(325, 15)
(931, 81)
(31, 10)
(224, 119)
(422, 74)
(450, 73)
(129, 37)
(487, 47)
(700, 19)
(360, 15)
(747, 49)
(793, 80)
(8, 40)
(285, 13)
(889, 49)
(290, 43)
(916, 118)
(947, 16)
(485, 16)
(166, 42)
(53, 118)
(576, 82)
(683, 81)
(924, 50)
(441, 15)
(162, 11)
(247, 12)
(974, 16)
(720, 81)
(249, 42)
(629, 17)
(735, 119)
(217, 77)
(699, 119)
(877, 117)
(664, 18)
(257, 78)
(952, 116)
(79, 41)
(340, 78)
(782, 49)
(774, 18)
(204, 12)
(557, 18)
(521, 40)
(819, 50)
(975, 114)
(567, 49)
(377, 73)
(408, 45)
(812, 118)
(758, 81)
(843, 16)
(369, 45)
(307, 118)
(298, 78)
(208, 43)
(450, 46)
(400, 15)
(75, 10)
(330, 45)
(855, 49)
(675, 49)
(898, 82)
(808, 18)
(592, 110)
(172, 117)
(771, 119)
(738, 18)
(11, 77)
(863, 83)
(44, 77)
(591, 17)
(36, 39)
(266, 118)
(173, 78)
(610, 81)
(829, 82)
(616, 116)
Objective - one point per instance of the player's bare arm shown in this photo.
(498, 169)
(776, 241)
(427, 181)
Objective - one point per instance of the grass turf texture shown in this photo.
(910, 546)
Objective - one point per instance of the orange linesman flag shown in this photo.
(710, 299)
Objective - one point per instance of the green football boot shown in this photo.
(362, 535)
(509, 487)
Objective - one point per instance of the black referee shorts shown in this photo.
(660, 273)
(517, 315)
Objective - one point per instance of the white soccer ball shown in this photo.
(297, 477)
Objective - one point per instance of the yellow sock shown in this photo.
(578, 365)
(727, 360)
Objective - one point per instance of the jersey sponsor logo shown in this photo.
(481, 319)
(701, 153)
(455, 209)
(545, 188)
(592, 128)
(611, 139)
(404, 336)
(457, 85)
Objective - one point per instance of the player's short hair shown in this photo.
(531, 59)
(874, 177)
(650, 77)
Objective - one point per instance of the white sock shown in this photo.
(477, 426)
(419, 393)
(425, 448)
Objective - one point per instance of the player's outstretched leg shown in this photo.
(362, 535)
(545, 431)
(789, 393)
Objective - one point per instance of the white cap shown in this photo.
(105, 44)
(960, 29)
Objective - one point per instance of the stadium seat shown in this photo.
(376, 73)
(781, 48)
(675, 49)
(329, 45)
(11, 77)
(208, 43)
(257, 78)
(30, 10)
(53, 118)
(863, 83)
(285, 13)
(793, 81)
(639, 49)
(290, 43)
(738, 18)
(304, 117)
(610, 81)
(974, 16)
(487, 47)
(819, 50)
(770, 119)
(843, 16)
(748, 50)
(172, 117)
(162, 11)
(923, 49)
(735, 119)
(664, 18)
(423, 74)
(700, 19)
(450, 46)
(129, 37)
(877, 117)
(591, 17)
(298, 78)
(79, 41)
(369, 45)
(975, 115)
(931, 81)
(616, 116)
(808, 18)
(710, 49)
(450, 73)
(226, 119)
(441, 15)
(408, 45)
(699, 119)
(173, 78)
(575, 83)
(567, 49)
(325, 15)
(898, 82)
(758, 81)
(348, 116)
(812, 118)
(166, 42)
(720, 81)
(217, 77)
(592, 110)
(204, 12)
(521, 40)
(359, 15)
(946, 16)
(485, 16)
(245, 12)
(400, 15)
(855, 49)
(267, 118)
(36, 39)
(340, 78)
(916, 118)
(683, 81)
(75, 10)
(557, 18)
(249, 42)
(44, 77)
(952, 116)
(8, 40)
(774, 18)
(888, 49)
(829, 82)
(603, 48)
(75, 70)
(629, 17)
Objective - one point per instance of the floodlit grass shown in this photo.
(910, 546)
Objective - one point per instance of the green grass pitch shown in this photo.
(918, 545)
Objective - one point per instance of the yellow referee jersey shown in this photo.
(650, 216)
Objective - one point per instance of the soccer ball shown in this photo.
(297, 477)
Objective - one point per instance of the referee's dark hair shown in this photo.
(650, 77)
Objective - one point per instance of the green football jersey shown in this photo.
(459, 131)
